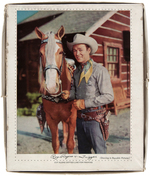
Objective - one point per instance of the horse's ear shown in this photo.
(39, 33)
(61, 32)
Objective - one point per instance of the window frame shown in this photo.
(119, 47)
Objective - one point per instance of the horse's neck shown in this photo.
(65, 77)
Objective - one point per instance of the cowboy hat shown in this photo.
(82, 39)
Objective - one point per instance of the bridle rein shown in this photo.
(53, 66)
(54, 97)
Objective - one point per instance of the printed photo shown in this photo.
(73, 82)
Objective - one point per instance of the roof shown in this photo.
(73, 22)
(40, 15)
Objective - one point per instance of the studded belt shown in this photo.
(96, 115)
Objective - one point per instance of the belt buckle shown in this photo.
(86, 117)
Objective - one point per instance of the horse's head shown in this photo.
(51, 59)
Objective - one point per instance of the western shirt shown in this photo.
(97, 91)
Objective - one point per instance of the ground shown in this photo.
(31, 141)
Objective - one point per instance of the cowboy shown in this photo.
(91, 90)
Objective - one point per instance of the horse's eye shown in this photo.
(61, 52)
(40, 54)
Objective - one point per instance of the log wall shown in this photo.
(112, 31)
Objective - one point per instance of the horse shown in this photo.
(54, 77)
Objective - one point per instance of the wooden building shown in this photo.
(111, 30)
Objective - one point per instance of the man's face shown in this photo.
(81, 53)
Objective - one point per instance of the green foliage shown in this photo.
(34, 102)
(20, 111)
(33, 97)
(34, 108)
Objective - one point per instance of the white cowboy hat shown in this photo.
(82, 39)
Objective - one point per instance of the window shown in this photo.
(112, 59)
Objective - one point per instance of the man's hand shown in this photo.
(65, 94)
(79, 104)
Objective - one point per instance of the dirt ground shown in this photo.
(31, 141)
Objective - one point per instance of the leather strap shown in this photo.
(96, 115)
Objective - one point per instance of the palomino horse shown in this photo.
(55, 77)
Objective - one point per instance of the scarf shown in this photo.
(87, 71)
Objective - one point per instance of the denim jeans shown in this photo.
(90, 136)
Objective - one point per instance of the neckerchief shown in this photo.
(87, 71)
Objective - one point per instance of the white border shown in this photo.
(135, 64)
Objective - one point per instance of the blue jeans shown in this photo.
(90, 136)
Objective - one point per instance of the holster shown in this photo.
(100, 116)
(104, 124)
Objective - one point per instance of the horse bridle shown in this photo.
(52, 66)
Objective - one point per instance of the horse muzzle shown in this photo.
(55, 88)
